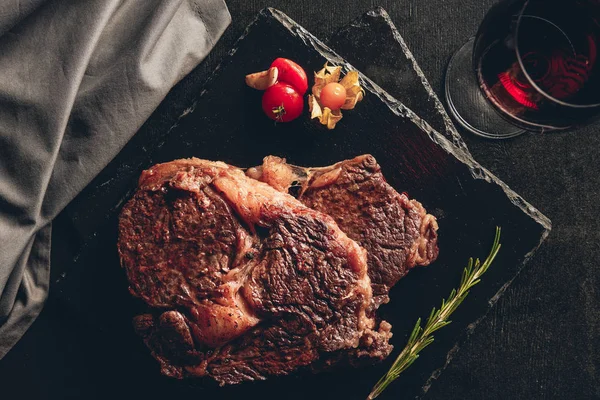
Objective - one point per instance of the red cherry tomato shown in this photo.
(292, 73)
(282, 102)
(333, 95)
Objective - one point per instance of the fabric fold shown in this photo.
(77, 80)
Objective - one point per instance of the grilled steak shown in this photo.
(397, 232)
(242, 281)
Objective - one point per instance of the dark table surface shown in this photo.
(541, 340)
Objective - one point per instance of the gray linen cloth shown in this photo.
(77, 80)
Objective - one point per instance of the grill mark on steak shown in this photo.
(242, 281)
(396, 231)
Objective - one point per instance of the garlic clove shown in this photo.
(263, 79)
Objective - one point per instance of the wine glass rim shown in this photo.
(530, 79)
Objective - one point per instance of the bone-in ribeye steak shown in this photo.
(397, 232)
(243, 281)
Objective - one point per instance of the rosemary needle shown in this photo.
(423, 337)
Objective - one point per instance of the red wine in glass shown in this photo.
(536, 66)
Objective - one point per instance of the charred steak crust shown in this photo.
(242, 281)
(396, 231)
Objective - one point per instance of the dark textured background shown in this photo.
(542, 339)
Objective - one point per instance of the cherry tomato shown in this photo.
(333, 95)
(292, 73)
(282, 102)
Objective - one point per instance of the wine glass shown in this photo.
(533, 66)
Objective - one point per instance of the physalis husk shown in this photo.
(354, 94)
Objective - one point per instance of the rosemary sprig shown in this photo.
(423, 337)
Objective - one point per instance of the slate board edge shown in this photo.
(449, 125)
(473, 325)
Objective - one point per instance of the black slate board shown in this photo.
(225, 123)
